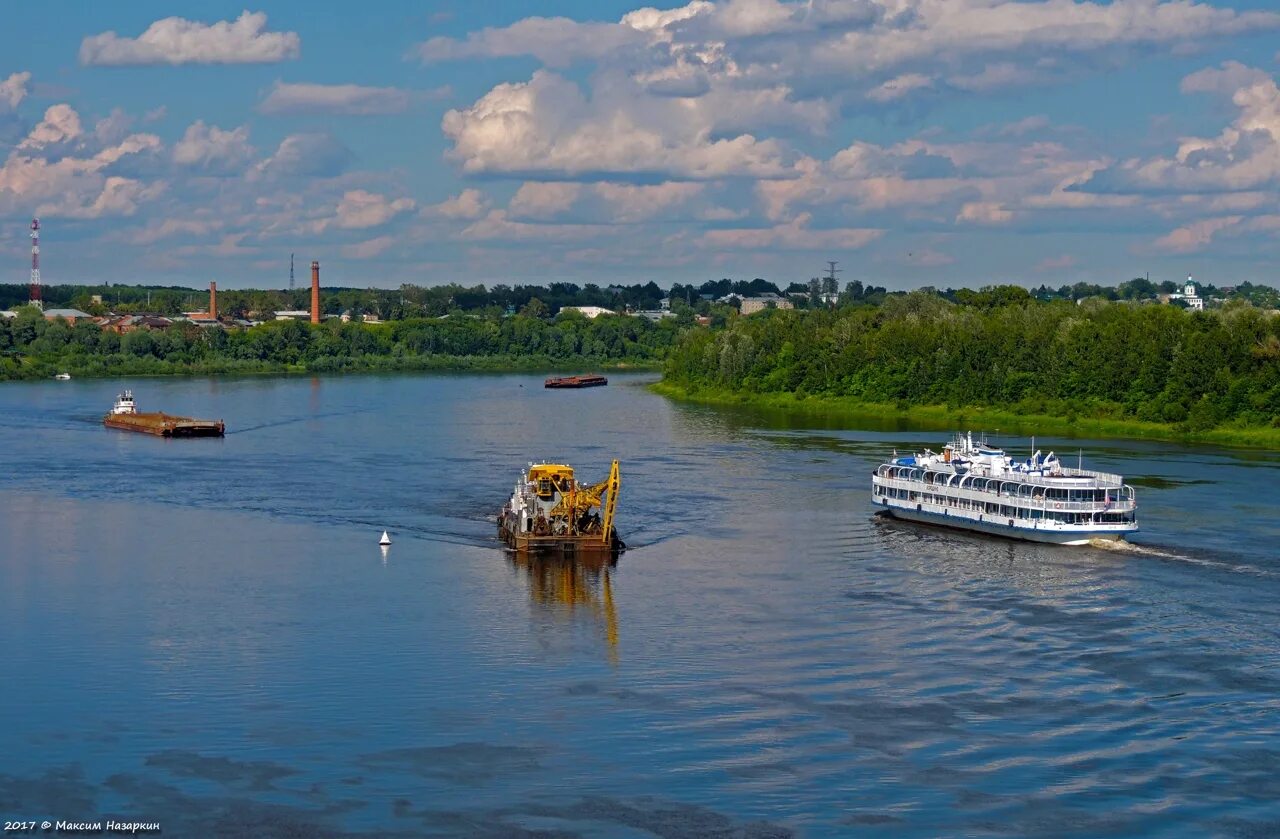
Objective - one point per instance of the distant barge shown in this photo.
(124, 415)
(576, 381)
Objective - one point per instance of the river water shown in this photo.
(205, 633)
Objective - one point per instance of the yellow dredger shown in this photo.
(550, 512)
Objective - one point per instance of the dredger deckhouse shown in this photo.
(551, 512)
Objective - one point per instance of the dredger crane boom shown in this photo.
(603, 495)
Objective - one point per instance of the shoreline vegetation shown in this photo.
(1002, 359)
(858, 414)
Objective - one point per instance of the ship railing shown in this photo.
(1103, 480)
(1116, 504)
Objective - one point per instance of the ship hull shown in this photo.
(576, 382)
(165, 425)
(1045, 535)
(589, 545)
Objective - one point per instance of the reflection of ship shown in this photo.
(571, 587)
(550, 512)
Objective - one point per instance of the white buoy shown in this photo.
(385, 540)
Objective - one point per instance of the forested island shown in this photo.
(1003, 358)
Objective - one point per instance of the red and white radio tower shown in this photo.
(35, 264)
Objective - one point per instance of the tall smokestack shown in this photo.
(315, 291)
(213, 300)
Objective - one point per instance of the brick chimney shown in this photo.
(213, 300)
(315, 291)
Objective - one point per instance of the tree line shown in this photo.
(1003, 347)
(32, 347)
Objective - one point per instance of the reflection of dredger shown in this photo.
(550, 512)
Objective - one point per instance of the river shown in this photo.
(205, 633)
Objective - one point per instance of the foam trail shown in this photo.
(1122, 546)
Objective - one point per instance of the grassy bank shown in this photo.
(943, 418)
(25, 368)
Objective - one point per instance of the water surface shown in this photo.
(205, 633)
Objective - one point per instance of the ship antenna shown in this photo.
(1080, 460)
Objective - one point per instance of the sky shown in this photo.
(917, 142)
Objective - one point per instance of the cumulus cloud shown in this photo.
(1195, 235)
(1056, 263)
(13, 90)
(1245, 156)
(360, 209)
(60, 124)
(468, 204)
(369, 248)
(547, 127)
(632, 203)
(984, 212)
(556, 42)
(176, 40)
(794, 235)
(306, 155)
(497, 225)
(350, 99)
(213, 149)
(59, 171)
(543, 200)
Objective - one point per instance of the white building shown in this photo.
(588, 311)
(751, 305)
(1193, 300)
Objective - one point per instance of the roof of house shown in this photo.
(65, 313)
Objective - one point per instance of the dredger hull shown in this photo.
(584, 545)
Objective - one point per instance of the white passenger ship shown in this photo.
(975, 486)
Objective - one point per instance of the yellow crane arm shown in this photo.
(613, 485)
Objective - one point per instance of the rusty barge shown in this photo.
(550, 513)
(125, 416)
(576, 381)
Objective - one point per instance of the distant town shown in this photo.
(125, 308)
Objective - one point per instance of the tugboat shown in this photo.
(551, 513)
(124, 404)
(576, 381)
(976, 486)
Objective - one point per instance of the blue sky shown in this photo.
(919, 142)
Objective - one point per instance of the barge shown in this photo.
(550, 512)
(576, 381)
(125, 416)
(976, 486)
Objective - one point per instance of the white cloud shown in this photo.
(555, 42)
(360, 209)
(13, 90)
(213, 149)
(984, 212)
(899, 86)
(369, 248)
(305, 155)
(60, 124)
(539, 200)
(794, 235)
(1195, 235)
(496, 225)
(547, 127)
(351, 99)
(75, 184)
(631, 203)
(175, 40)
(468, 204)
(1056, 263)
(1245, 156)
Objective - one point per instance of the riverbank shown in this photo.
(98, 367)
(943, 418)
